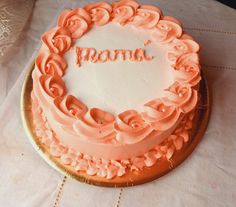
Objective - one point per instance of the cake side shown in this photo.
(108, 168)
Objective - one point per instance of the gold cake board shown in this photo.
(162, 166)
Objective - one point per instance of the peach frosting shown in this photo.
(133, 138)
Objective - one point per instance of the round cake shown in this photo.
(115, 88)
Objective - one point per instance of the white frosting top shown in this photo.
(120, 85)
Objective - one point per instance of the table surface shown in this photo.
(206, 178)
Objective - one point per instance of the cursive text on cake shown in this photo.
(92, 55)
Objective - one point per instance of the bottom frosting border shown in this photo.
(131, 178)
(102, 167)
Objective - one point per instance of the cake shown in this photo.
(115, 88)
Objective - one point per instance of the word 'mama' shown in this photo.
(92, 55)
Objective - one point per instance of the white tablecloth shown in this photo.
(206, 178)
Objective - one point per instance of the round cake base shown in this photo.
(162, 166)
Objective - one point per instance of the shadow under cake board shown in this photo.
(162, 166)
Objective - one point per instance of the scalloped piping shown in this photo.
(108, 168)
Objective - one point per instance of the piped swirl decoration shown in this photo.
(50, 64)
(131, 128)
(76, 21)
(52, 85)
(124, 10)
(181, 96)
(182, 46)
(172, 113)
(57, 40)
(160, 116)
(146, 17)
(166, 30)
(100, 12)
(96, 124)
(68, 109)
(187, 69)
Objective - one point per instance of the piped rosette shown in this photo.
(48, 88)
(124, 10)
(57, 40)
(96, 125)
(167, 29)
(67, 110)
(131, 128)
(182, 96)
(76, 21)
(187, 69)
(52, 85)
(181, 46)
(146, 17)
(161, 117)
(100, 12)
(50, 64)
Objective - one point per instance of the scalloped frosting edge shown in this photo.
(102, 167)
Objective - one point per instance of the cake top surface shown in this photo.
(118, 85)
